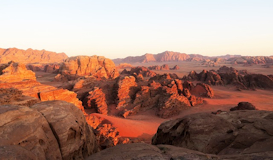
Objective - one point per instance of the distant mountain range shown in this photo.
(30, 56)
(170, 56)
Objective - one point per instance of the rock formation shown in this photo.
(166, 56)
(15, 72)
(227, 133)
(106, 135)
(157, 67)
(163, 67)
(96, 99)
(161, 92)
(30, 56)
(228, 75)
(124, 65)
(202, 90)
(145, 72)
(252, 60)
(46, 130)
(126, 88)
(15, 97)
(44, 92)
(243, 106)
(80, 66)
(176, 67)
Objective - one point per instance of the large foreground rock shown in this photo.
(142, 151)
(25, 127)
(47, 130)
(228, 133)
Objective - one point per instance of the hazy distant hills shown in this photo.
(169, 56)
(30, 56)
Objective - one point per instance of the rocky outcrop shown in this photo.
(168, 95)
(157, 67)
(227, 133)
(163, 67)
(61, 94)
(46, 130)
(44, 92)
(124, 65)
(230, 76)
(243, 106)
(15, 97)
(202, 90)
(52, 68)
(145, 72)
(80, 66)
(15, 72)
(30, 56)
(96, 100)
(106, 135)
(126, 88)
(176, 67)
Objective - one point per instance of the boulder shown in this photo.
(27, 128)
(243, 106)
(226, 133)
(75, 137)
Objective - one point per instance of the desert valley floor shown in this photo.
(144, 125)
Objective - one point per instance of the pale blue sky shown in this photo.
(120, 28)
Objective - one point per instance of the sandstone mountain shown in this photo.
(80, 66)
(161, 57)
(170, 56)
(30, 56)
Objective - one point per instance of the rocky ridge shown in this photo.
(30, 56)
(229, 75)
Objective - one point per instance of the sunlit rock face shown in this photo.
(15, 72)
(80, 66)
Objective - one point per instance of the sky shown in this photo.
(121, 28)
